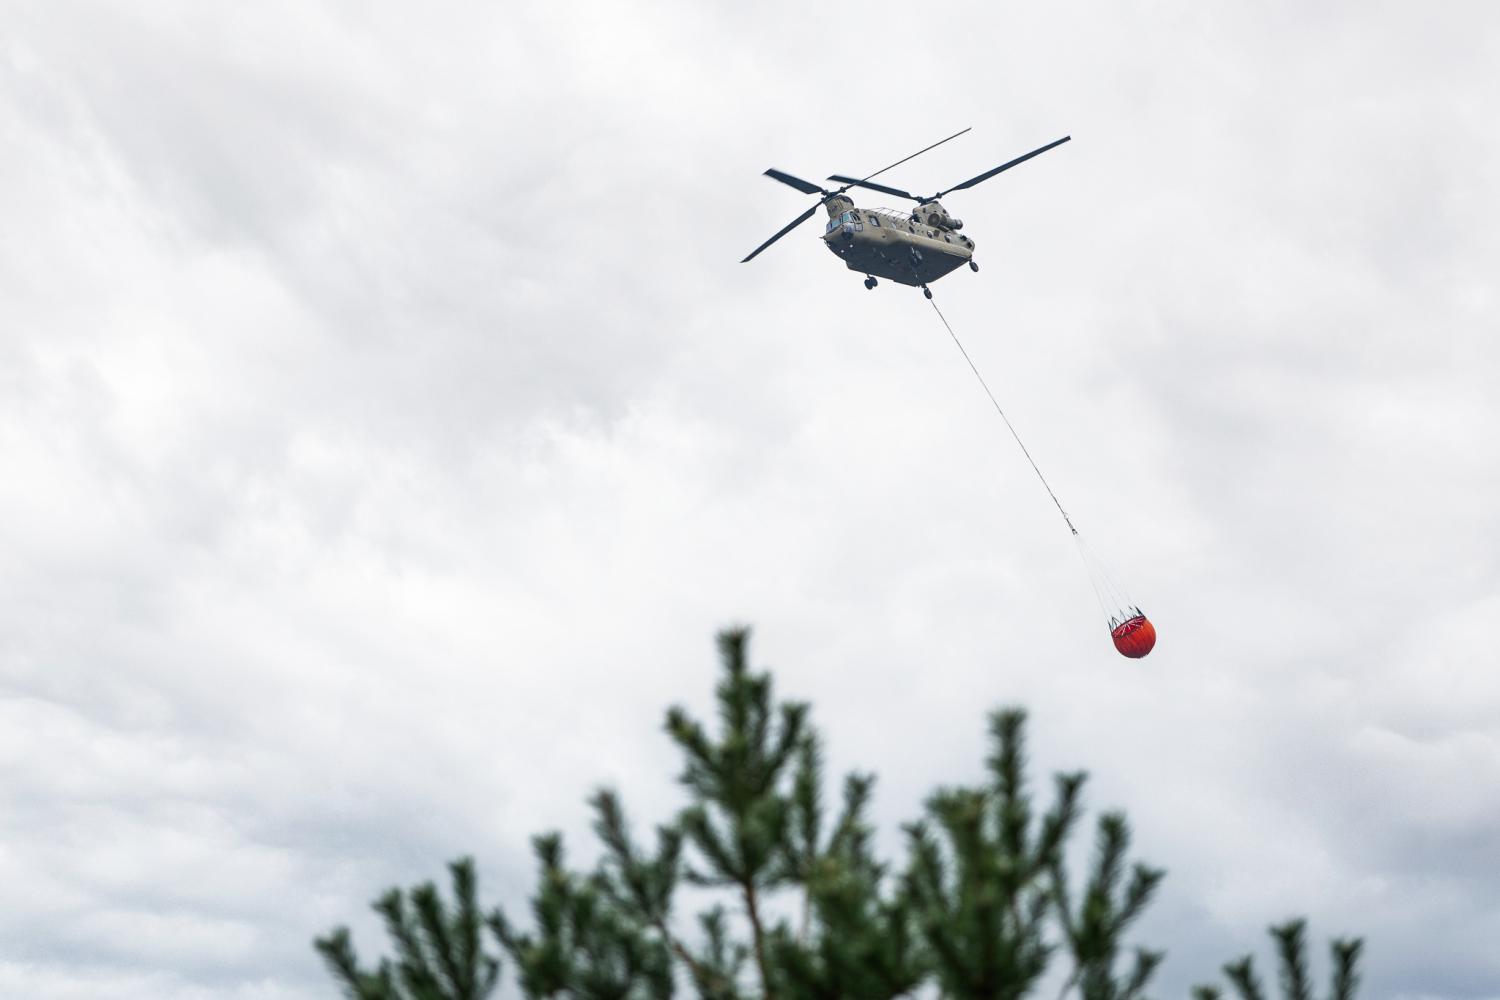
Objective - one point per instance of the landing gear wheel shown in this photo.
(870, 282)
(973, 266)
(927, 291)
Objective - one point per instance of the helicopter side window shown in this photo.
(875, 221)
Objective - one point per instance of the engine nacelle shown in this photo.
(933, 214)
(943, 221)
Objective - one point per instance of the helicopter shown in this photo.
(911, 248)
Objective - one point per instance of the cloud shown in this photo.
(388, 424)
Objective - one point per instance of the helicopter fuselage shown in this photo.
(902, 246)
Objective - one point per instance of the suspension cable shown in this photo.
(983, 384)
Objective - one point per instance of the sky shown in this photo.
(388, 424)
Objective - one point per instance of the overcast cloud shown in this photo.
(387, 423)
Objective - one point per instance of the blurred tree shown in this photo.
(1093, 930)
(979, 910)
(1294, 978)
(739, 819)
(585, 946)
(977, 873)
(440, 953)
(854, 938)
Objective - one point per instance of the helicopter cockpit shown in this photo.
(848, 218)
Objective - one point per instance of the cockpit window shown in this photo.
(848, 216)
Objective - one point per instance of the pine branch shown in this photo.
(430, 918)
(644, 887)
(439, 955)
(1094, 931)
(1346, 967)
(1060, 821)
(726, 866)
(1143, 885)
(1293, 978)
(338, 953)
(1242, 977)
(851, 835)
(756, 816)
(480, 971)
(789, 738)
(413, 966)
(1291, 951)
(1008, 767)
(806, 810)
(758, 938)
(721, 961)
(981, 889)
(1146, 963)
(586, 944)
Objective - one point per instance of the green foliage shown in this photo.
(856, 939)
(641, 886)
(739, 820)
(1093, 930)
(977, 872)
(805, 909)
(719, 963)
(440, 953)
(584, 946)
(1293, 975)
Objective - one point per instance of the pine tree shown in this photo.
(980, 908)
(739, 817)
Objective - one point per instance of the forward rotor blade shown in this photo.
(1002, 167)
(796, 182)
(873, 187)
(784, 230)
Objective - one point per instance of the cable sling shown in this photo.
(1132, 633)
(985, 385)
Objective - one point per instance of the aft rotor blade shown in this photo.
(784, 230)
(796, 182)
(1002, 167)
(913, 156)
(854, 182)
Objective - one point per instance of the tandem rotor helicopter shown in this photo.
(909, 248)
(920, 246)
